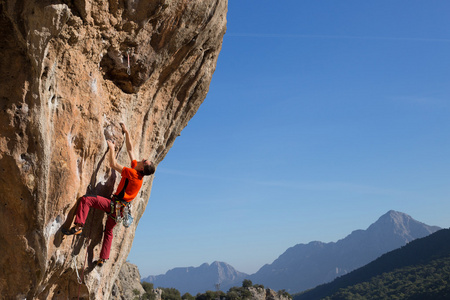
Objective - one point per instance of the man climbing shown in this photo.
(128, 188)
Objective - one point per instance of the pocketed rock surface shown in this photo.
(71, 71)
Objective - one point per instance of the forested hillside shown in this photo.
(419, 270)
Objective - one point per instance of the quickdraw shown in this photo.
(121, 210)
(129, 67)
(127, 219)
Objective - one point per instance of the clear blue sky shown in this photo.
(321, 117)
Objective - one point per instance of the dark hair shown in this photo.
(148, 169)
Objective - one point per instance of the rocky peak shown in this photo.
(401, 225)
(70, 72)
(393, 217)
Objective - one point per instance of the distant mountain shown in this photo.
(419, 270)
(305, 266)
(200, 279)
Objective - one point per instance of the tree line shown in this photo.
(234, 293)
(430, 281)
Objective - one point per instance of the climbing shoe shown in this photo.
(73, 230)
(100, 262)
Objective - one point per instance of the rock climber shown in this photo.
(129, 186)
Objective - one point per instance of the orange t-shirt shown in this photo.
(130, 183)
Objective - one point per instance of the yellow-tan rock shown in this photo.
(71, 71)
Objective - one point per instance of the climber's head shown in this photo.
(145, 167)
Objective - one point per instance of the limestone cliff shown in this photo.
(71, 70)
(128, 283)
(267, 294)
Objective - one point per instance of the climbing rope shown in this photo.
(88, 238)
(82, 273)
(74, 263)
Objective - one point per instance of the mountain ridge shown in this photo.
(198, 279)
(304, 266)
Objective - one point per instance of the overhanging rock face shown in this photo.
(70, 72)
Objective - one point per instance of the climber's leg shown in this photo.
(84, 205)
(107, 238)
(86, 202)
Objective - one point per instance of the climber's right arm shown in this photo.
(128, 142)
(112, 158)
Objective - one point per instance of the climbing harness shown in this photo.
(122, 211)
(129, 68)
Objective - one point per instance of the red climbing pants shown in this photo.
(102, 203)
